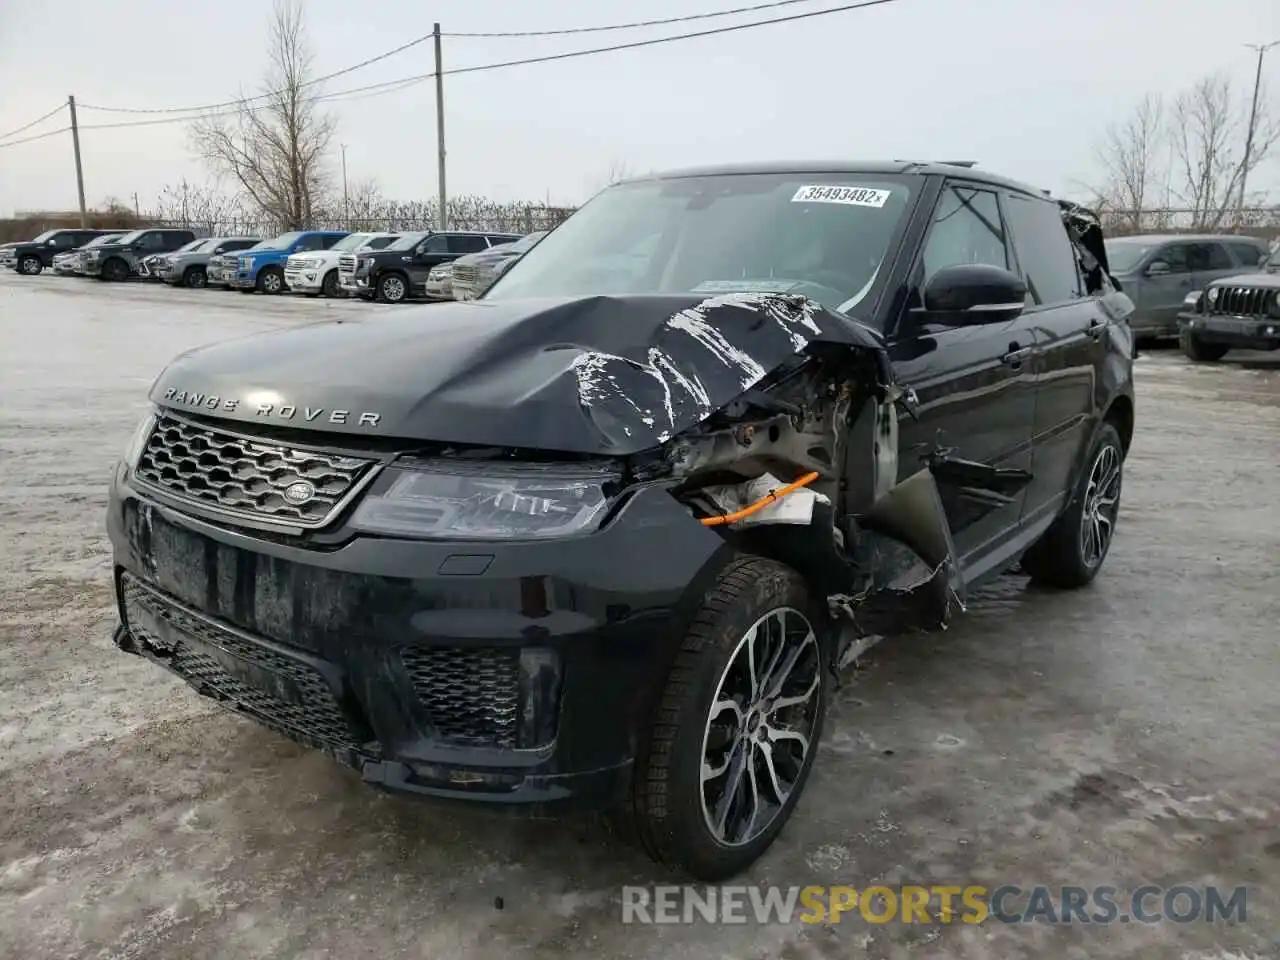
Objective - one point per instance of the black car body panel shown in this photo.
(603, 376)
(412, 258)
(938, 441)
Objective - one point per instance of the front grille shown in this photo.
(252, 479)
(315, 717)
(465, 274)
(347, 264)
(472, 695)
(1241, 301)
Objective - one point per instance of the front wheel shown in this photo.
(31, 266)
(735, 733)
(195, 277)
(1199, 351)
(392, 288)
(271, 281)
(329, 285)
(1072, 551)
(115, 270)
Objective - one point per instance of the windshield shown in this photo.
(351, 241)
(823, 236)
(99, 241)
(282, 242)
(191, 247)
(408, 241)
(1273, 262)
(44, 236)
(523, 244)
(1122, 256)
(129, 237)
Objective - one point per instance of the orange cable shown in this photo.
(760, 504)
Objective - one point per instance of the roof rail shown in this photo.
(958, 163)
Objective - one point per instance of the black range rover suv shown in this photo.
(605, 535)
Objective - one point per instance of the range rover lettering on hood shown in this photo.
(195, 400)
(595, 375)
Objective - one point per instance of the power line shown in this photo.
(28, 126)
(38, 136)
(666, 21)
(423, 39)
(392, 86)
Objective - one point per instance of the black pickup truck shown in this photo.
(32, 257)
(605, 534)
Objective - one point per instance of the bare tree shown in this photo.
(274, 145)
(1132, 154)
(196, 205)
(365, 204)
(1209, 129)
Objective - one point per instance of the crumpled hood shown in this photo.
(592, 375)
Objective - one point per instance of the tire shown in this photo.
(393, 288)
(1066, 556)
(329, 285)
(1199, 351)
(195, 277)
(115, 270)
(270, 280)
(672, 808)
(31, 266)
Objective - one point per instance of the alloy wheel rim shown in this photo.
(393, 289)
(1101, 505)
(271, 282)
(761, 727)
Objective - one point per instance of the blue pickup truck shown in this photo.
(262, 267)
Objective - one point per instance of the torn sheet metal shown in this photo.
(795, 508)
(912, 512)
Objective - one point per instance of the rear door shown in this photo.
(1210, 261)
(973, 384)
(1247, 255)
(1070, 334)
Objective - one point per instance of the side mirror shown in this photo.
(1158, 268)
(969, 294)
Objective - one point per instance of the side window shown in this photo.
(324, 243)
(497, 241)
(377, 243)
(308, 243)
(467, 243)
(1045, 252)
(436, 243)
(1176, 255)
(1211, 256)
(151, 241)
(1247, 253)
(966, 229)
(64, 241)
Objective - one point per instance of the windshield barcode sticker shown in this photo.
(857, 196)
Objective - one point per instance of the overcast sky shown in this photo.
(1023, 86)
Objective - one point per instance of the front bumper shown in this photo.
(241, 279)
(1246, 333)
(92, 268)
(304, 281)
(517, 674)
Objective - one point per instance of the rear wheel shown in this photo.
(1199, 351)
(195, 277)
(392, 288)
(31, 266)
(736, 730)
(1072, 551)
(270, 280)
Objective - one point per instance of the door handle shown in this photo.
(1096, 328)
(1017, 353)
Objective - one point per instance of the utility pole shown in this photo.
(443, 197)
(75, 142)
(346, 202)
(1262, 49)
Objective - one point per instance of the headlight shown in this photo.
(1275, 305)
(138, 442)
(1212, 294)
(485, 501)
(94, 254)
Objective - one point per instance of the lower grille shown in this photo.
(314, 718)
(472, 695)
(248, 478)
